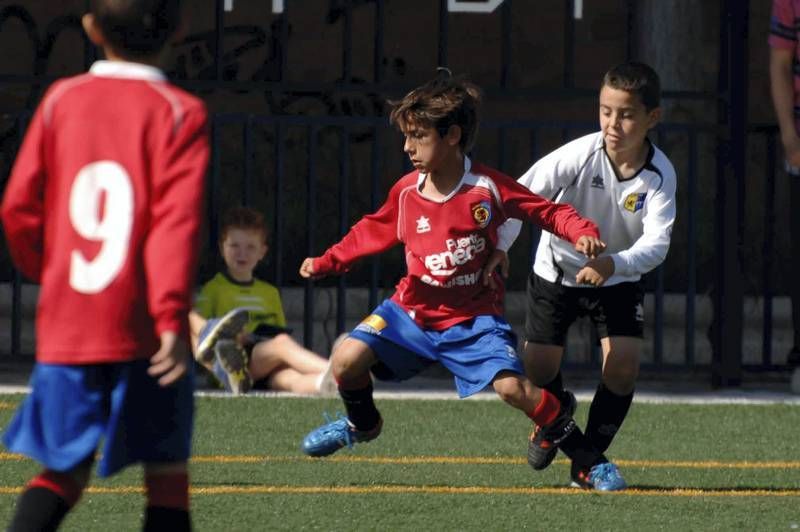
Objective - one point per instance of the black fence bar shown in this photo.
(347, 42)
(213, 190)
(16, 280)
(726, 367)
(344, 226)
(280, 178)
(377, 60)
(521, 94)
(219, 38)
(443, 33)
(630, 23)
(506, 50)
(374, 201)
(691, 251)
(768, 249)
(569, 43)
(284, 43)
(311, 219)
(247, 174)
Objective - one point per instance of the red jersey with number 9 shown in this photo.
(103, 208)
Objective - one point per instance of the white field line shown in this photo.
(701, 397)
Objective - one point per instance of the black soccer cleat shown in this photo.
(543, 441)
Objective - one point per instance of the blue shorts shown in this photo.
(474, 351)
(72, 408)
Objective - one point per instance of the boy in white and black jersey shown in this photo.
(619, 179)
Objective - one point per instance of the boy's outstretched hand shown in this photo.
(497, 258)
(596, 271)
(307, 269)
(171, 361)
(590, 246)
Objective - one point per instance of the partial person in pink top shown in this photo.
(785, 83)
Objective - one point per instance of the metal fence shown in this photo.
(304, 199)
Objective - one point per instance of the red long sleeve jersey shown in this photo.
(103, 208)
(448, 242)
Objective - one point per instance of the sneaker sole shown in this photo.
(234, 362)
(228, 326)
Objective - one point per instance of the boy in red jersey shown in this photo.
(109, 180)
(446, 213)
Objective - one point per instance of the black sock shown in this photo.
(361, 408)
(38, 509)
(159, 518)
(580, 450)
(606, 415)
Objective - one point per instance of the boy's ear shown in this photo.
(453, 135)
(92, 29)
(654, 117)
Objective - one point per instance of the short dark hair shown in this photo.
(242, 218)
(638, 78)
(442, 102)
(137, 28)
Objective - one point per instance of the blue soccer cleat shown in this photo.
(602, 477)
(230, 367)
(227, 326)
(335, 434)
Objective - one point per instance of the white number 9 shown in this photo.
(97, 181)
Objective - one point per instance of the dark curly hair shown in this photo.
(442, 102)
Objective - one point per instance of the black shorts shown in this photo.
(615, 310)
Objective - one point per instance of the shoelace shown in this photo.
(338, 426)
(605, 472)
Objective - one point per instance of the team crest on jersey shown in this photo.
(423, 225)
(482, 213)
(635, 201)
(372, 324)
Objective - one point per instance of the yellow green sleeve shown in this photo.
(204, 302)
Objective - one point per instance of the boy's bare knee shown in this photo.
(509, 389)
(282, 341)
(351, 361)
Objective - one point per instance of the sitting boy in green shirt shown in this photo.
(234, 301)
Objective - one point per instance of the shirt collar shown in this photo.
(127, 70)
